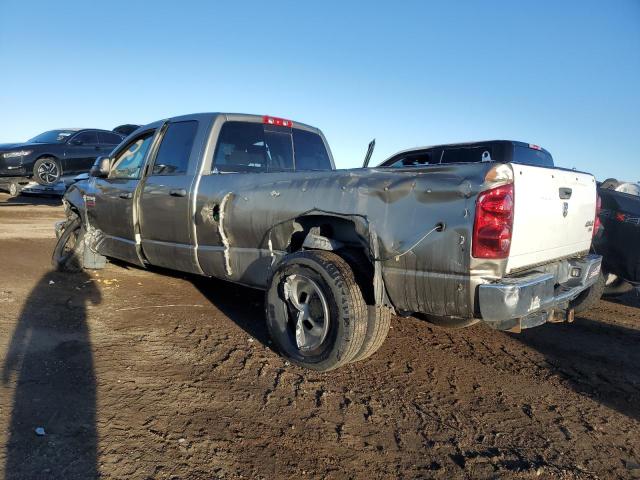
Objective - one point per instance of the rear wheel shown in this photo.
(315, 312)
(616, 286)
(378, 316)
(47, 171)
(68, 252)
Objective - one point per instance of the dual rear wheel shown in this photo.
(317, 315)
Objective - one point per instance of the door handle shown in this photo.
(126, 196)
(178, 192)
(565, 193)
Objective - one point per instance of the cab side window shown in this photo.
(85, 138)
(128, 163)
(108, 138)
(252, 147)
(467, 155)
(175, 149)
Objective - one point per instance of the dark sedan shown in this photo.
(46, 156)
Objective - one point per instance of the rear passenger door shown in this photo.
(80, 152)
(166, 215)
(107, 141)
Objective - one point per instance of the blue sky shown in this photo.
(565, 75)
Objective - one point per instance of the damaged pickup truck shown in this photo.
(257, 201)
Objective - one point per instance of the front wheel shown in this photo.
(315, 312)
(68, 252)
(14, 189)
(47, 171)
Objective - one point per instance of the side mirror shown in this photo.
(100, 168)
(76, 142)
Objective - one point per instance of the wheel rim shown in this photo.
(48, 172)
(308, 311)
(13, 189)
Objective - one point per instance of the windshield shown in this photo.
(531, 156)
(52, 136)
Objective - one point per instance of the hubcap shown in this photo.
(48, 172)
(308, 311)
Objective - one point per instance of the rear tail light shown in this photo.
(279, 122)
(493, 224)
(596, 222)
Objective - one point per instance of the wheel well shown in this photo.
(345, 241)
(47, 155)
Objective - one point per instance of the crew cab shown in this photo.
(257, 200)
(46, 156)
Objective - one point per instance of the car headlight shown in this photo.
(20, 153)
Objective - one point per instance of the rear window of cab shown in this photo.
(256, 147)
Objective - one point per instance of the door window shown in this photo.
(175, 149)
(310, 152)
(108, 138)
(86, 138)
(128, 163)
(467, 155)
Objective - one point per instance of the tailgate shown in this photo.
(553, 215)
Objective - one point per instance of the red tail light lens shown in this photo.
(596, 222)
(494, 223)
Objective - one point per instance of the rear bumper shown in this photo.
(537, 297)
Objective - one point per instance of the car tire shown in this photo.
(14, 189)
(378, 325)
(617, 287)
(316, 315)
(68, 252)
(589, 297)
(47, 171)
(378, 316)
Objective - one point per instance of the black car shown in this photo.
(486, 151)
(46, 156)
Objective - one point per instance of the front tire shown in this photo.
(68, 252)
(316, 315)
(14, 189)
(47, 171)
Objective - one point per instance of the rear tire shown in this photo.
(617, 287)
(315, 312)
(47, 171)
(378, 316)
(68, 252)
(378, 325)
(589, 297)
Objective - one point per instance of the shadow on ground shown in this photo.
(597, 359)
(30, 200)
(49, 369)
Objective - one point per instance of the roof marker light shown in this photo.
(534, 147)
(279, 122)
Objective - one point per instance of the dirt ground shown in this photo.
(136, 374)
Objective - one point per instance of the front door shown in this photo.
(115, 202)
(166, 219)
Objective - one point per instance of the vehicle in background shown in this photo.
(507, 151)
(48, 156)
(619, 243)
(126, 129)
(257, 201)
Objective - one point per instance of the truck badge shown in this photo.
(565, 209)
